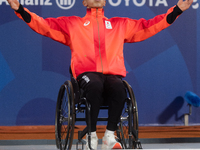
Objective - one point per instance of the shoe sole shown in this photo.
(117, 146)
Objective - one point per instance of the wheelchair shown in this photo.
(70, 102)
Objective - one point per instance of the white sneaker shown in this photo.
(94, 142)
(109, 142)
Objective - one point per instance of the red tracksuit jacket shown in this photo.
(96, 42)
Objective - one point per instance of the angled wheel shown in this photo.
(65, 117)
(128, 125)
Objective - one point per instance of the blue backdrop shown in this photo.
(160, 69)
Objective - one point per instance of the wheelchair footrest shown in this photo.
(80, 142)
(137, 144)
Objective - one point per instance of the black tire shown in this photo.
(65, 117)
(128, 125)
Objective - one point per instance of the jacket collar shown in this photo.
(95, 13)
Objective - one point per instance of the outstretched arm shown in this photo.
(14, 4)
(50, 27)
(142, 29)
(184, 4)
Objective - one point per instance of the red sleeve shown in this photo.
(54, 28)
(139, 30)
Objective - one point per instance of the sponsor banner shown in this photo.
(68, 4)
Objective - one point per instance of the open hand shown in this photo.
(14, 4)
(184, 4)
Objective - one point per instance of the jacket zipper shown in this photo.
(99, 39)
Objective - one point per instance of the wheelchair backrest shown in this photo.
(77, 91)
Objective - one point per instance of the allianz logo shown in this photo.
(63, 4)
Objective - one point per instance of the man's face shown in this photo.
(94, 3)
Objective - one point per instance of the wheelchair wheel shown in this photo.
(65, 117)
(128, 125)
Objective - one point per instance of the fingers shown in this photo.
(184, 4)
(180, 1)
(8, 2)
(14, 4)
(190, 2)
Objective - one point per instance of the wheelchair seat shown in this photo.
(71, 101)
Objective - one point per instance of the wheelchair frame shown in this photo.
(69, 103)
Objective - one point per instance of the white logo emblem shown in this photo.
(65, 4)
(86, 23)
(86, 78)
(108, 25)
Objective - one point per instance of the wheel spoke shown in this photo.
(129, 120)
(65, 117)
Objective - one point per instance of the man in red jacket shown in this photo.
(96, 44)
